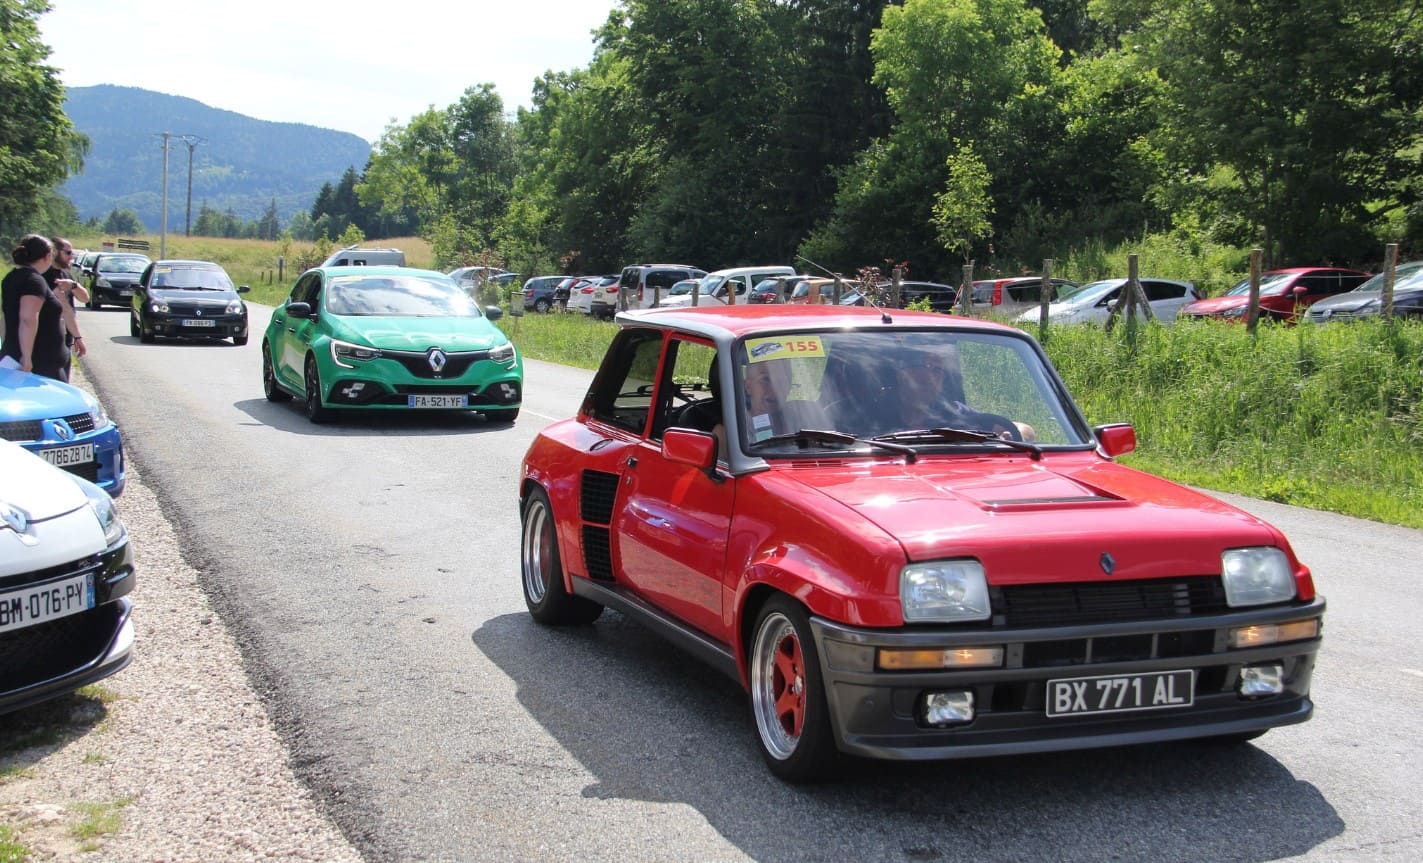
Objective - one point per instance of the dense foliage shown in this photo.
(723, 132)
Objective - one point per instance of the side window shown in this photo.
(661, 279)
(688, 397)
(1163, 290)
(1026, 292)
(305, 289)
(1319, 286)
(622, 392)
(1349, 283)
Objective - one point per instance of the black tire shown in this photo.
(541, 306)
(93, 303)
(502, 417)
(270, 388)
(788, 694)
(315, 410)
(133, 325)
(541, 569)
(144, 335)
(239, 340)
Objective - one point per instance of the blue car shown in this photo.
(63, 425)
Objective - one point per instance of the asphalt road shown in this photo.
(370, 569)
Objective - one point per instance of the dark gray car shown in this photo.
(1366, 301)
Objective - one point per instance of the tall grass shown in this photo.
(1326, 417)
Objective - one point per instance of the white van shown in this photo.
(717, 286)
(354, 257)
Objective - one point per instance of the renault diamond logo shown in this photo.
(437, 359)
(13, 517)
(1109, 563)
(198, 312)
(63, 431)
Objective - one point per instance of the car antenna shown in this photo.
(883, 314)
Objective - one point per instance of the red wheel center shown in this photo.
(789, 685)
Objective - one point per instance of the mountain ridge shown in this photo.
(239, 163)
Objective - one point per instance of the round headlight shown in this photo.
(159, 306)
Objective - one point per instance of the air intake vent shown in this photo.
(599, 490)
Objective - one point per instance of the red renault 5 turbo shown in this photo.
(900, 535)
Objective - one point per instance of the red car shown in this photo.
(1284, 294)
(897, 531)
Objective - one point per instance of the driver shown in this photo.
(923, 400)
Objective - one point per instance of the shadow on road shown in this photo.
(653, 724)
(288, 417)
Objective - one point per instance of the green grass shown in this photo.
(97, 819)
(11, 849)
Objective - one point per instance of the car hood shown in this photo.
(216, 298)
(25, 396)
(1213, 305)
(419, 334)
(1014, 514)
(34, 486)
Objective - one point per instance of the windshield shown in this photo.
(1088, 293)
(399, 296)
(1270, 285)
(122, 265)
(191, 278)
(1407, 276)
(878, 383)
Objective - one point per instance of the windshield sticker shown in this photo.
(162, 269)
(780, 348)
(761, 427)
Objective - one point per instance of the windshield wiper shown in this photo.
(804, 437)
(963, 435)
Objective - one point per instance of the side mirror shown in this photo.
(494, 313)
(1299, 290)
(693, 448)
(1115, 439)
(242, 289)
(299, 310)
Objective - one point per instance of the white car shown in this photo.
(1093, 302)
(580, 294)
(716, 286)
(66, 570)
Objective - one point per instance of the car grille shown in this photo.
(418, 363)
(88, 470)
(1076, 604)
(63, 570)
(28, 430)
(48, 650)
(197, 309)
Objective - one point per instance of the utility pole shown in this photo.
(192, 141)
(163, 230)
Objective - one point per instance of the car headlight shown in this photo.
(159, 306)
(105, 510)
(503, 353)
(344, 354)
(1256, 576)
(944, 591)
(1234, 312)
(96, 411)
(101, 283)
(234, 307)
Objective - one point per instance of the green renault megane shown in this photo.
(389, 338)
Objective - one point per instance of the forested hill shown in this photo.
(239, 163)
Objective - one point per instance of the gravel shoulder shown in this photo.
(176, 753)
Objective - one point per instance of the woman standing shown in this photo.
(36, 319)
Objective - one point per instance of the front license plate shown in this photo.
(64, 456)
(1119, 693)
(199, 323)
(42, 602)
(438, 401)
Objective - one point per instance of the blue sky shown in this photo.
(356, 70)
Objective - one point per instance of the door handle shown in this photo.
(632, 461)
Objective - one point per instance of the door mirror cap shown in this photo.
(1115, 439)
(693, 448)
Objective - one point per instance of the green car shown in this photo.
(389, 338)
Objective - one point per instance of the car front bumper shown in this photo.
(880, 714)
(197, 327)
(51, 659)
(396, 381)
(106, 467)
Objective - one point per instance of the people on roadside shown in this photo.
(62, 281)
(36, 318)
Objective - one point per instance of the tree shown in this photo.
(269, 227)
(123, 222)
(1303, 116)
(961, 211)
(38, 145)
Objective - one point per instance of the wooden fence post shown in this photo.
(1044, 298)
(1390, 264)
(1252, 308)
(895, 277)
(966, 292)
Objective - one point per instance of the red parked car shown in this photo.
(901, 536)
(1284, 294)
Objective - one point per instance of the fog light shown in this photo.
(892, 659)
(1257, 680)
(1272, 633)
(948, 708)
